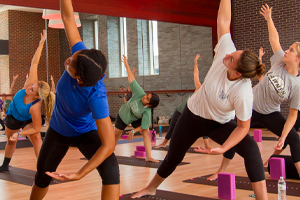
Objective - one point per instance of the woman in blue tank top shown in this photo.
(80, 118)
(25, 110)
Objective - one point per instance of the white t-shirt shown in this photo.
(218, 98)
(276, 87)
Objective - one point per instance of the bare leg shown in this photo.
(260, 190)
(151, 188)
(276, 152)
(118, 134)
(163, 144)
(35, 139)
(11, 145)
(147, 144)
(224, 164)
(38, 193)
(206, 143)
(110, 192)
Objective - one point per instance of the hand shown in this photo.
(261, 52)
(51, 78)
(64, 177)
(26, 76)
(43, 36)
(280, 144)
(14, 137)
(124, 59)
(15, 77)
(196, 58)
(130, 135)
(133, 70)
(202, 150)
(266, 11)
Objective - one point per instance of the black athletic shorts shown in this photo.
(14, 124)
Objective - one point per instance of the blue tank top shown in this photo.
(18, 109)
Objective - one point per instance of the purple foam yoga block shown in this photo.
(124, 136)
(257, 135)
(140, 153)
(277, 168)
(141, 148)
(226, 186)
(153, 137)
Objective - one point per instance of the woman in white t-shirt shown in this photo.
(281, 83)
(226, 91)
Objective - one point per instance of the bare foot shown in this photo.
(143, 192)
(161, 145)
(266, 163)
(213, 177)
(151, 160)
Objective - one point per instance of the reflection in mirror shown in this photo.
(162, 53)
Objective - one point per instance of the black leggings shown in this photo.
(190, 127)
(297, 124)
(55, 147)
(174, 120)
(275, 123)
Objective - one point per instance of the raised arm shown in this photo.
(53, 89)
(67, 15)
(196, 73)
(224, 18)
(273, 34)
(13, 84)
(32, 78)
(130, 74)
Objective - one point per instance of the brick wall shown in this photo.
(251, 31)
(4, 59)
(24, 37)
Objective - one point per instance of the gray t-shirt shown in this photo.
(276, 87)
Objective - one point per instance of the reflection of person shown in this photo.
(180, 108)
(25, 109)
(80, 117)
(226, 91)
(137, 112)
(281, 83)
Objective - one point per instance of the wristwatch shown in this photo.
(132, 131)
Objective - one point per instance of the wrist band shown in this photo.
(18, 133)
(132, 131)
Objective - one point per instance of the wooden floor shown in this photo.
(133, 178)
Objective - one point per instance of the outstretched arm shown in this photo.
(130, 75)
(224, 18)
(196, 73)
(13, 84)
(32, 78)
(53, 89)
(273, 34)
(67, 15)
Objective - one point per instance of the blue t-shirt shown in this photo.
(76, 108)
(18, 109)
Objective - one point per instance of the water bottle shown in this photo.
(160, 131)
(281, 189)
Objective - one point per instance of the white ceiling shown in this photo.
(26, 9)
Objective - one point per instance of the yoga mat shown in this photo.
(292, 188)
(139, 162)
(166, 195)
(269, 138)
(191, 150)
(22, 142)
(21, 176)
(131, 141)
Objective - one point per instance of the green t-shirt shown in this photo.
(181, 106)
(6, 104)
(133, 109)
